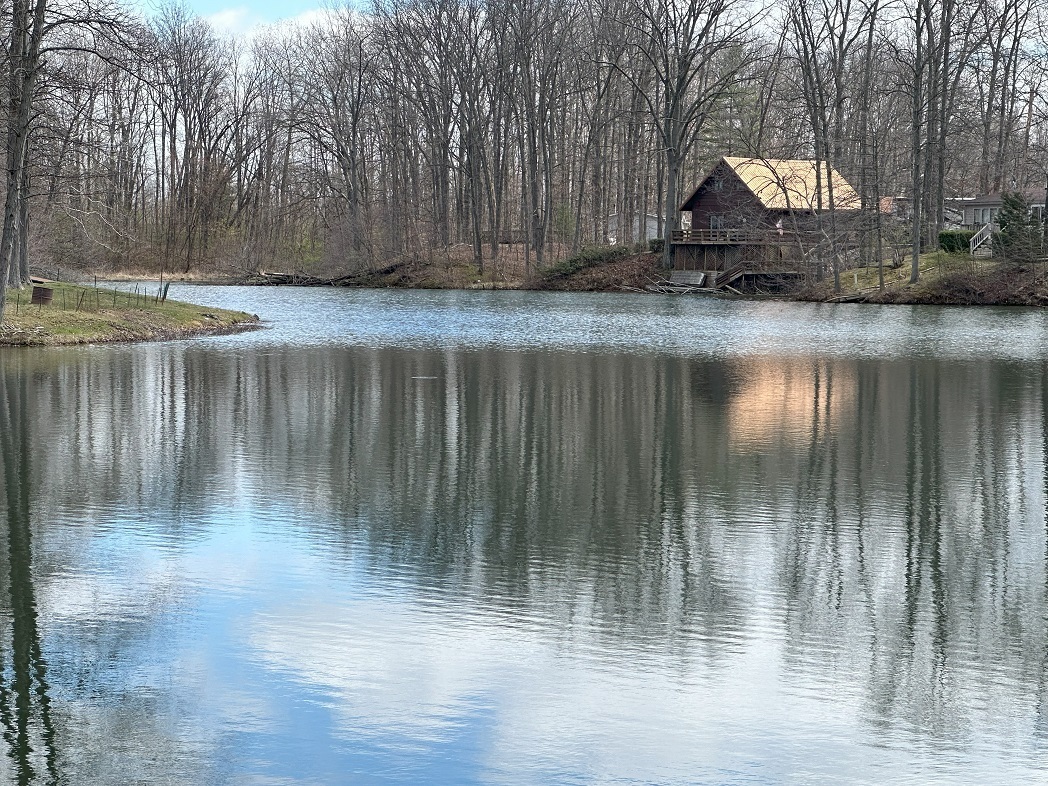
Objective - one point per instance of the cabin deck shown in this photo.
(753, 251)
(746, 237)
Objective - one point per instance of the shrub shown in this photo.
(954, 241)
(657, 245)
(587, 257)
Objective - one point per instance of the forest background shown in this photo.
(404, 128)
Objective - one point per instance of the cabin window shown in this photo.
(716, 222)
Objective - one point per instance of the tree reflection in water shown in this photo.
(879, 524)
(25, 707)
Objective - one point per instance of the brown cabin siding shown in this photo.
(731, 200)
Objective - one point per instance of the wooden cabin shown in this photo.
(760, 215)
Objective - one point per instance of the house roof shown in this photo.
(788, 184)
(986, 200)
(1033, 199)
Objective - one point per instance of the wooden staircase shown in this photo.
(981, 244)
(728, 277)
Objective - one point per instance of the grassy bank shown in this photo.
(945, 279)
(86, 315)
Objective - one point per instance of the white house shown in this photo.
(645, 227)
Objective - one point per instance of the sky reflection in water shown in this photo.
(429, 539)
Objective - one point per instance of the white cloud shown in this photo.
(244, 23)
(310, 17)
(238, 22)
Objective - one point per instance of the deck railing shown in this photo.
(741, 236)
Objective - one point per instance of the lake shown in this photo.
(525, 538)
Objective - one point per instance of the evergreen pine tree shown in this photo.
(1019, 236)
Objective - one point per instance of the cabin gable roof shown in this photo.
(785, 184)
(720, 172)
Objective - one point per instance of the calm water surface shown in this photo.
(425, 537)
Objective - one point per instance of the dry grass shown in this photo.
(452, 267)
(632, 273)
(86, 315)
(959, 279)
(455, 268)
(945, 279)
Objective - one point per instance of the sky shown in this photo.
(240, 18)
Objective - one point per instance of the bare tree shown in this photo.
(696, 50)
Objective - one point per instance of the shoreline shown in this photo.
(946, 280)
(80, 315)
(23, 339)
(1000, 288)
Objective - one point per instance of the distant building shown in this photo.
(983, 210)
(953, 211)
(901, 209)
(644, 227)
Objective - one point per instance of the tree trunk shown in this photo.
(670, 206)
(24, 58)
(916, 190)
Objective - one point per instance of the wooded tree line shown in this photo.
(410, 126)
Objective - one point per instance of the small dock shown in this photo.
(736, 280)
